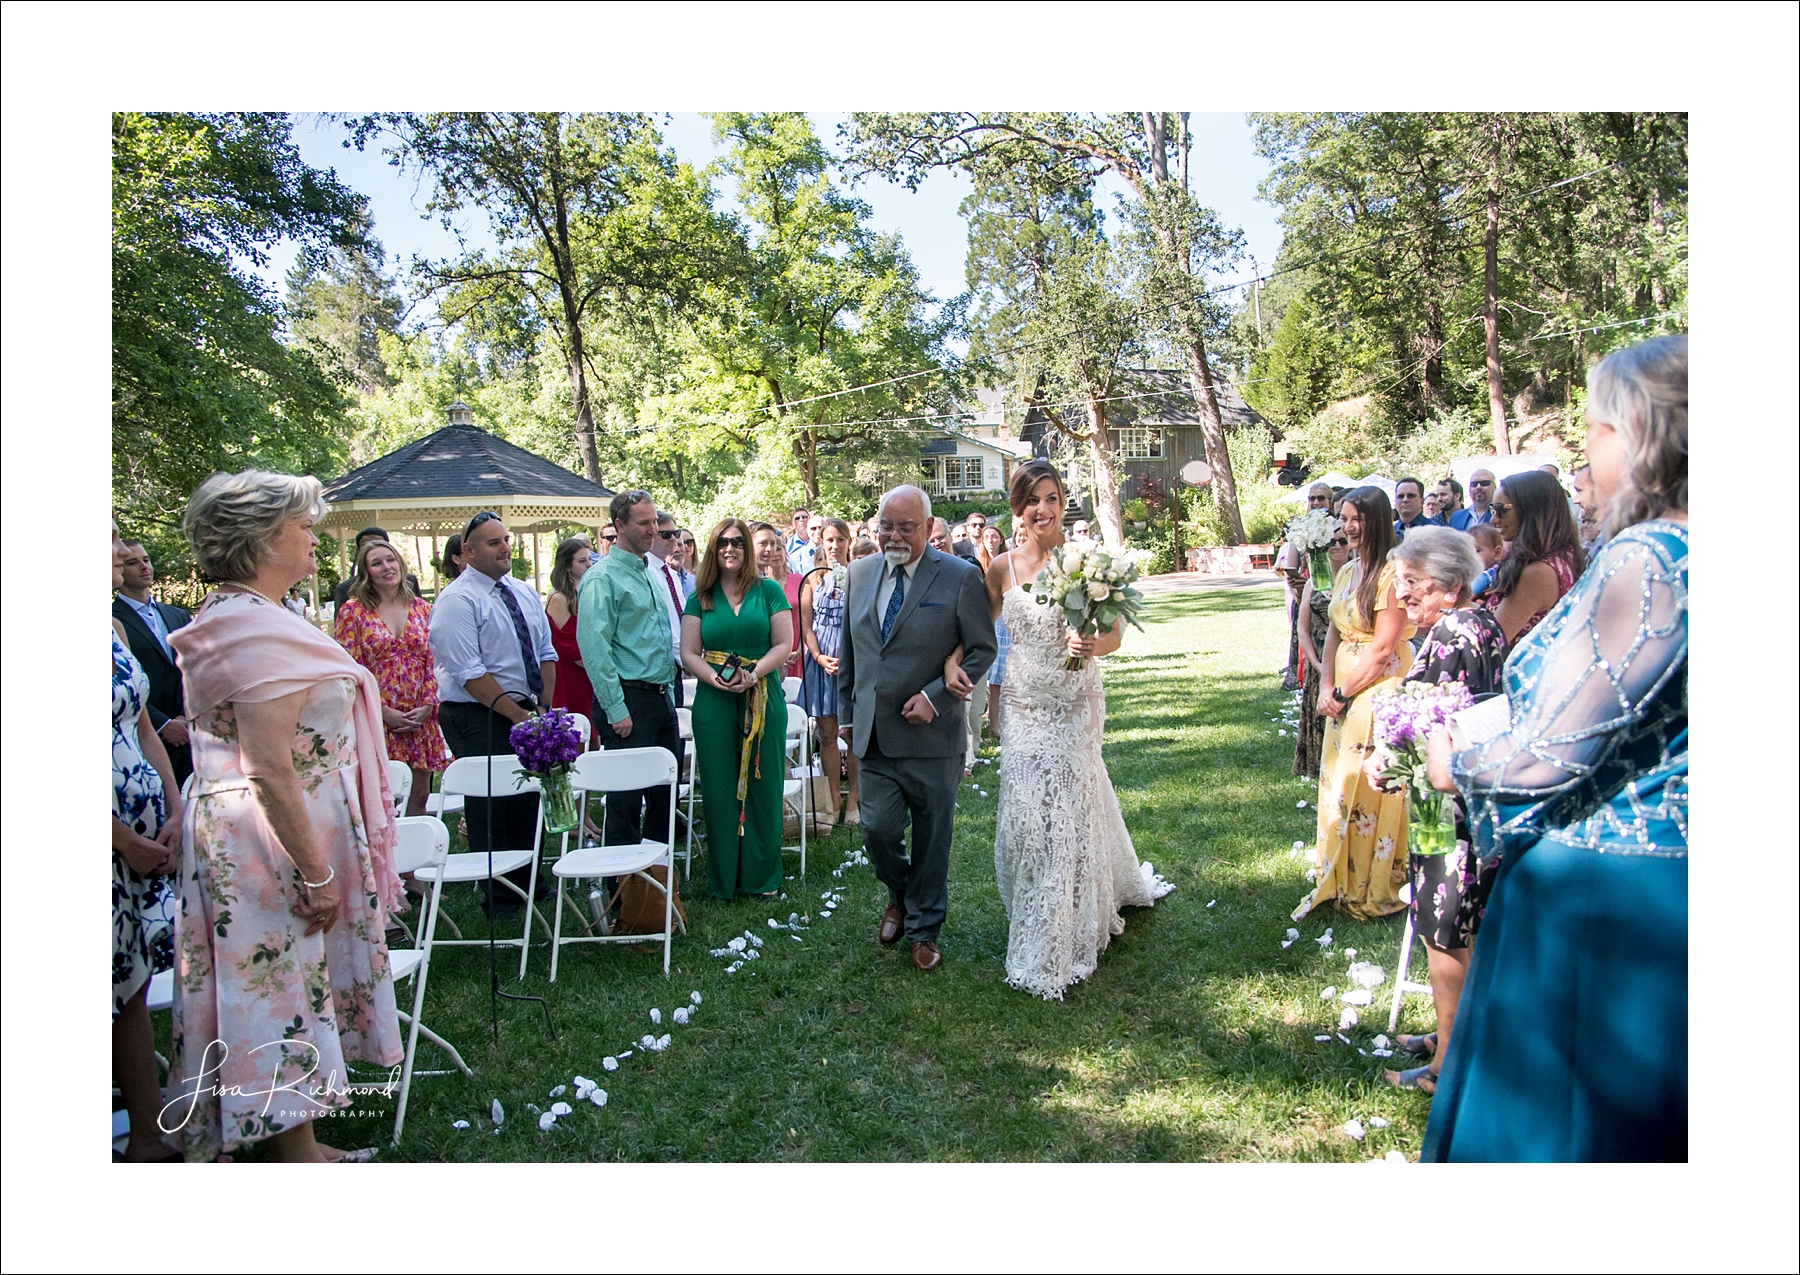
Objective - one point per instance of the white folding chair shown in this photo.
(400, 780)
(621, 770)
(689, 686)
(790, 689)
(423, 848)
(1401, 986)
(684, 727)
(482, 777)
(797, 793)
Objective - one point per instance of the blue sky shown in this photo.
(1226, 174)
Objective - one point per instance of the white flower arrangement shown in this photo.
(1092, 585)
(1314, 529)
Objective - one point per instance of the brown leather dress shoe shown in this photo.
(926, 956)
(893, 921)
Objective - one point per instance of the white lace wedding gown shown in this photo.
(1063, 858)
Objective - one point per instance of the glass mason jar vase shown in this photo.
(1320, 561)
(558, 800)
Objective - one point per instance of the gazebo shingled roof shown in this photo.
(432, 487)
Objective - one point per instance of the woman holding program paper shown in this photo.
(1571, 1043)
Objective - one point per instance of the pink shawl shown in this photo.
(252, 654)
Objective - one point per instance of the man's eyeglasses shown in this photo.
(906, 528)
(731, 542)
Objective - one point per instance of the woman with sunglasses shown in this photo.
(1545, 558)
(1315, 622)
(736, 630)
(1361, 846)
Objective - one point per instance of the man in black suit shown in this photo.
(147, 625)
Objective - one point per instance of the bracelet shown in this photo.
(320, 885)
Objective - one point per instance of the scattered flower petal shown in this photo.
(1377, 1122)
(1351, 954)
(1382, 1053)
(656, 1015)
(647, 1042)
(497, 1113)
(1353, 1130)
(1381, 1042)
(597, 1097)
(1299, 805)
(560, 1109)
(610, 1063)
(680, 1015)
(1327, 1036)
(1395, 1157)
(559, 1091)
(546, 1121)
(1361, 996)
(1324, 940)
(1366, 973)
(1328, 993)
(694, 997)
(1347, 1019)
(1210, 904)
(459, 1124)
(1343, 1037)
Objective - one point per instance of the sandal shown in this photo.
(1424, 1079)
(1418, 1046)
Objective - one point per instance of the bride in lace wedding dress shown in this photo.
(1063, 858)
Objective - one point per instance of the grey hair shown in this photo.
(1642, 391)
(907, 489)
(1446, 556)
(662, 516)
(232, 517)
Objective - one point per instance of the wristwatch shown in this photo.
(1338, 695)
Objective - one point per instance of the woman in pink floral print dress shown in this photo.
(287, 872)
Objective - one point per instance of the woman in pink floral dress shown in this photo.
(287, 874)
(387, 630)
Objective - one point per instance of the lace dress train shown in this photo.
(1062, 855)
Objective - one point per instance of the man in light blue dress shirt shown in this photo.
(490, 640)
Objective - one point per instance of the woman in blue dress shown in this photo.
(822, 633)
(1571, 1038)
(146, 849)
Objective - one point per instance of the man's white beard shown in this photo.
(897, 557)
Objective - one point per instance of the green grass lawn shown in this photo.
(1194, 1041)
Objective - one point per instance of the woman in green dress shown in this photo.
(740, 715)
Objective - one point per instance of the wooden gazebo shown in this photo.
(429, 489)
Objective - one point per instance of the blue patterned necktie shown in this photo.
(534, 676)
(894, 600)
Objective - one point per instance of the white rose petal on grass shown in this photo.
(1210, 904)
(597, 1097)
(694, 997)
(1377, 1122)
(1395, 1157)
(680, 1015)
(734, 967)
(497, 1113)
(1366, 973)
(755, 941)
(624, 1053)
(1381, 1053)
(752, 955)
(1351, 953)
(796, 938)
(1328, 993)
(826, 913)
(1324, 1037)
(1299, 805)
(776, 925)
(738, 944)
(1343, 1037)
(459, 1124)
(656, 1015)
(647, 1042)
(546, 1121)
(1353, 1129)
(559, 1091)
(1361, 996)
(662, 1041)
(610, 1063)
(1348, 1019)
(1381, 1041)
(1324, 940)
(560, 1109)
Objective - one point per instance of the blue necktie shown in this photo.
(534, 677)
(894, 600)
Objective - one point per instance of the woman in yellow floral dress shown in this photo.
(1361, 845)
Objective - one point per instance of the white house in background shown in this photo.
(973, 458)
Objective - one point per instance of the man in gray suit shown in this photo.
(905, 611)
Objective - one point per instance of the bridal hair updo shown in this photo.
(231, 518)
(1029, 475)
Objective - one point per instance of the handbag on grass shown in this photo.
(641, 904)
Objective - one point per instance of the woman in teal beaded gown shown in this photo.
(1571, 1040)
(740, 723)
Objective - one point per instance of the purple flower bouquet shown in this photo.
(546, 744)
(1405, 718)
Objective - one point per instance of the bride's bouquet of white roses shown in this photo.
(1092, 585)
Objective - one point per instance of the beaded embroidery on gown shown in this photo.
(1062, 855)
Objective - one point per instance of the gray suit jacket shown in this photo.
(946, 605)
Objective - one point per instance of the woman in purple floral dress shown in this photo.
(1463, 643)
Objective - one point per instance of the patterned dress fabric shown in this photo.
(258, 1003)
(1360, 847)
(403, 667)
(1062, 855)
(1450, 891)
(1571, 1036)
(820, 693)
(143, 912)
(1309, 735)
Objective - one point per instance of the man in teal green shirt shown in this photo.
(626, 645)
